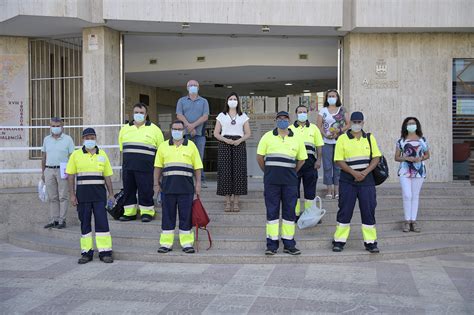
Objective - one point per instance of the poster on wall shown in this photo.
(13, 103)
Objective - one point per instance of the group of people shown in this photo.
(290, 155)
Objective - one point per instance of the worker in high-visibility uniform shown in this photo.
(352, 154)
(177, 160)
(280, 155)
(308, 174)
(88, 170)
(138, 141)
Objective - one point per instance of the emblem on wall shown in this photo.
(381, 69)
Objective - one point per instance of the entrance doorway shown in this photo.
(269, 73)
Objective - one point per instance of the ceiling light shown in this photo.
(185, 26)
(252, 93)
(265, 28)
(229, 86)
(306, 91)
(288, 84)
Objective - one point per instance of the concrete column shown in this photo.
(101, 81)
(391, 76)
(14, 111)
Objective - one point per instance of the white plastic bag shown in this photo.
(42, 194)
(311, 216)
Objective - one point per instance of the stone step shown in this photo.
(382, 202)
(214, 256)
(244, 242)
(218, 215)
(256, 228)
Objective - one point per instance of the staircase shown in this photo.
(446, 217)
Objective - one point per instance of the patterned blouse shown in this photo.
(412, 148)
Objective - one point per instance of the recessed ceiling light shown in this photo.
(306, 91)
(288, 84)
(229, 86)
(252, 93)
(185, 26)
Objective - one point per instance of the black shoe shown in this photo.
(107, 259)
(372, 248)
(164, 250)
(146, 218)
(84, 259)
(292, 251)
(128, 218)
(61, 226)
(337, 247)
(270, 252)
(51, 225)
(189, 250)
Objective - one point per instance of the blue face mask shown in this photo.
(56, 130)
(138, 117)
(89, 144)
(332, 100)
(177, 134)
(411, 128)
(193, 89)
(302, 117)
(283, 124)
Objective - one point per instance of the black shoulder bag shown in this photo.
(380, 172)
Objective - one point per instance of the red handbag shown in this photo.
(200, 220)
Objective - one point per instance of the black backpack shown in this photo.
(117, 211)
(380, 172)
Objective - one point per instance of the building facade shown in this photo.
(90, 61)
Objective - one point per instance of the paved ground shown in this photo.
(41, 283)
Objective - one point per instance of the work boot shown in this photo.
(414, 227)
(146, 218)
(270, 252)
(51, 225)
(164, 250)
(107, 259)
(406, 226)
(128, 218)
(189, 250)
(292, 251)
(84, 259)
(372, 248)
(337, 247)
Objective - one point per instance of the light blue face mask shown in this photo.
(56, 130)
(193, 89)
(177, 134)
(138, 117)
(411, 128)
(332, 100)
(302, 117)
(89, 144)
(283, 124)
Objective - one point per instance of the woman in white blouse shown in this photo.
(232, 129)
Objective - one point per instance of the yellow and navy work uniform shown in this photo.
(281, 184)
(178, 164)
(356, 153)
(139, 145)
(91, 170)
(308, 174)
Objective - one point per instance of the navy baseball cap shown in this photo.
(88, 131)
(357, 116)
(283, 113)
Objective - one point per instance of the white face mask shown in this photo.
(356, 127)
(232, 103)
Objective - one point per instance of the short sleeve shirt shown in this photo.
(57, 149)
(332, 122)
(412, 148)
(193, 110)
(229, 129)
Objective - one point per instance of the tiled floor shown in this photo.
(39, 283)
